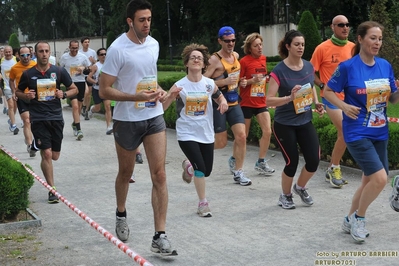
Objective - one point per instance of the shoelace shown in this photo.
(337, 173)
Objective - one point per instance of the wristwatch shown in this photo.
(321, 86)
(65, 95)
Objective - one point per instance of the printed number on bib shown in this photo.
(196, 103)
(46, 89)
(303, 99)
(378, 92)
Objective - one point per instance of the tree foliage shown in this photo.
(307, 26)
(390, 47)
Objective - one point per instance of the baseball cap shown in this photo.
(225, 31)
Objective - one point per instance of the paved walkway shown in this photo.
(247, 227)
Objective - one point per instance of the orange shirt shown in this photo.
(326, 58)
(17, 70)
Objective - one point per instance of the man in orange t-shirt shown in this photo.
(325, 60)
(16, 71)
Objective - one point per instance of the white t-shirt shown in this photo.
(75, 65)
(195, 112)
(97, 74)
(90, 52)
(5, 71)
(135, 68)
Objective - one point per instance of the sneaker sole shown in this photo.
(286, 208)
(79, 137)
(157, 251)
(243, 184)
(358, 239)
(348, 230)
(261, 172)
(205, 215)
(53, 201)
(335, 185)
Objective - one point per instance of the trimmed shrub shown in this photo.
(13, 41)
(307, 26)
(15, 183)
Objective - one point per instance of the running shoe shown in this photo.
(109, 131)
(79, 136)
(303, 193)
(263, 168)
(334, 176)
(75, 129)
(286, 202)
(139, 158)
(203, 210)
(163, 246)
(358, 228)
(241, 179)
(52, 198)
(346, 226)
(186, 175)
(394, 199)
(232, 164)
(122, 229)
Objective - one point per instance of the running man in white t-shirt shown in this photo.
(129, 76)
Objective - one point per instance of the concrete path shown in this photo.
(247, 227)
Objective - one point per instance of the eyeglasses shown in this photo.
(229, 41)
(102, 54)
(193, 58)
(24, 55)
(341, 25)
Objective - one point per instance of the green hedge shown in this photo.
(327, 135)
(15, 183)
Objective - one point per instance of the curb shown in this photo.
(36, 222)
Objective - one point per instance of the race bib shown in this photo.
(46, 89)
(148, 84)
(378, 92)
(75, 70)
(303, 99)
(259, 89)
(196, 103)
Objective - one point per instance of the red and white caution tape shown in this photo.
(122, 246)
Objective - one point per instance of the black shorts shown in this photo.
(250, 111)
(48, 134)
(22, 106)
(81, 91)
(88, 83)
(233, 116)
(96, 96)
(129, 135)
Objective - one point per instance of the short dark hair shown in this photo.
(73, 41)
(99, 50)
(84, 38)
(41, 42)
(135, 5)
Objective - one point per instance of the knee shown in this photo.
(290, 170)
(240, 137)
(220, 144)
(267, 132)
(312, 165)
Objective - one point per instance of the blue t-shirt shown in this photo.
(369, 88)
(287, 79)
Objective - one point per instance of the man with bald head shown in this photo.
(325, 60)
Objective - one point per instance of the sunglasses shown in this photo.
(229, 41)
(24, 55)
(102, 54)
(341, 25)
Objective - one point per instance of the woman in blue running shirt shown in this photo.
(368, 83)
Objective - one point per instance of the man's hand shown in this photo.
(148, 96)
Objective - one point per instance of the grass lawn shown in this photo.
(170, 74)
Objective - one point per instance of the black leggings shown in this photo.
(200, 155)
(289, 137)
